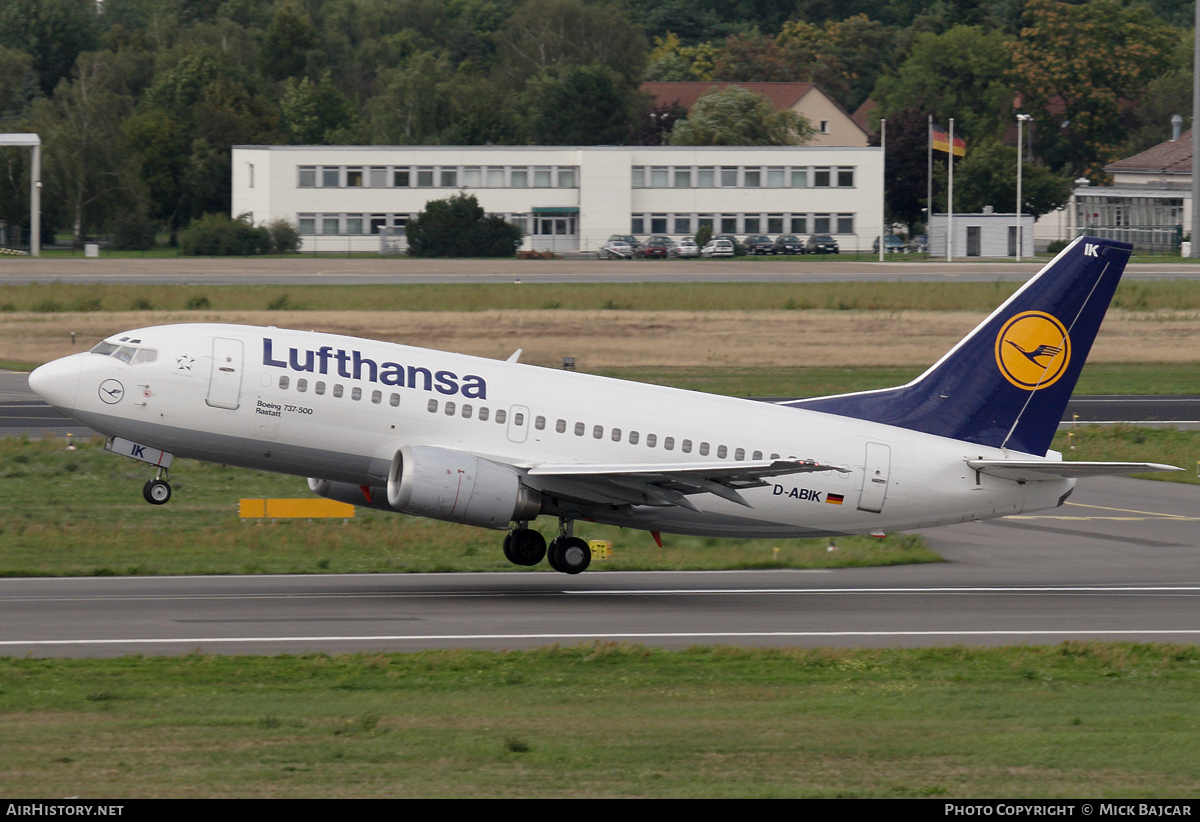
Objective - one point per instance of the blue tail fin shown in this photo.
(1007, 383)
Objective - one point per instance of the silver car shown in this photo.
(685, 248)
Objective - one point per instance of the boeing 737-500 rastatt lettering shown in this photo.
(498, 444)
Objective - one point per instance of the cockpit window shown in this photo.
(126, 353)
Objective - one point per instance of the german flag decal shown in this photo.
(834, 499)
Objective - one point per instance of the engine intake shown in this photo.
(442, 484)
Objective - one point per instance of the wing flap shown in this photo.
(1042, 470)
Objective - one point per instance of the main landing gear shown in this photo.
(568, 554)
(157, 491)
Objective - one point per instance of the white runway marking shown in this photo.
(602, 635)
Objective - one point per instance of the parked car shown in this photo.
(759, 244)
(789, 244)
(821, 244)
(656, 247)
(685, 248)
(616, 250)
(891, 245)
(919, 244)
(662, 237)
(738, 248)
(720, 247)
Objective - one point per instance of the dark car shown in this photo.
(789, 244)
(821, 244)
(919, 244)
(657, 247)
(891, 245)
(759, 244)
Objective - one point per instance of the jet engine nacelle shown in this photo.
(441, 484)
(374, 497)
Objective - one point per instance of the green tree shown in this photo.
(988, 177)
(579, 106)
(414, 106)
(286, 43)
(86, 166)
(313, 113)
(542, 34)
(458, 227)
(54, 32)
(906, 179)
(737, 117)
(1073, 65)
(961, 74)
(18, 83)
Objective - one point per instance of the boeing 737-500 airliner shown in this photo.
(497, 444)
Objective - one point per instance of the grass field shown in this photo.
(1086, 720)
(1178, 295)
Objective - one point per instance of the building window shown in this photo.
(704, 177)
(821, 177)
(824, 127)
(683, 225)
(751, 224)
(424, 178)
(799, 223)
(705, 220)
(329, 225)
(637, 224)
(354, 177)
(845, 224)
(330, 177)
(774, 223)
(307, 223)
(379, 178)
(541, 177)
(472, 177)
(821, 224)
(658, 224)
(775, 177)
(566, 178)
(683, 178)
(378, 221)
(753, 178)
(729, 225)
(729, 177)
(354, 225)
(449, 178)
(845, 178)
(799, 178)
(658, 177)
(495, 177)
(638, 177)
(520, 178)
(308, 176)
(400, 178)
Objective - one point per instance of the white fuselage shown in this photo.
(339, 408)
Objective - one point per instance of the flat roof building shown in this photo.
(346, 198)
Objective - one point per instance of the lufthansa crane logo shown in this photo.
(111, 391)
(1033, 350)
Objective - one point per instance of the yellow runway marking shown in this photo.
(1145, 514)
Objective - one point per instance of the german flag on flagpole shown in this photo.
(941, 142)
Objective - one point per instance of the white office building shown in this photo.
(345, 198)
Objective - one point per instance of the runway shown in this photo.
(325, 270)
(1119, 561)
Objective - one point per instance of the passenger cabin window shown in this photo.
(686, 446)
(616, 435)
(539, 423)
(319, 388)
(450, 409)
(283, 382)
(301, 385)
(518, 418)
(394, 400)
(560, 426)
(669, 443)
(598, 432)
(501, 416)
(376, 397)
(432, 406)
(704, 449)
(483, 414)
(651, 440)
(722, 452)
(579, 429)
(466, 412)
(356, 393)
(337, 390)
(633, 437)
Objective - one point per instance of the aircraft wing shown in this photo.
(670, 483)
(1039, 470)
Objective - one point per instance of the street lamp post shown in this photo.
(1022, 119)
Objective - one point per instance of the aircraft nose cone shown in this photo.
(57, 382)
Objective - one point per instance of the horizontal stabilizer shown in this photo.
(1041, 470)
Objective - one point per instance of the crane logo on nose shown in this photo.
(111, 391)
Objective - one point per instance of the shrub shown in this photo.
(134, 232)
(1056, 246)
(285, 237)
(458, 227)
(216, 235)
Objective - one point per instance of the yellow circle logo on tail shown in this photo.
(1033, 350)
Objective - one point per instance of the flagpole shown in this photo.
(883, 188)
(950, 199)
(929, 189)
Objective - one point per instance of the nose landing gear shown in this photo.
(157, 491)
